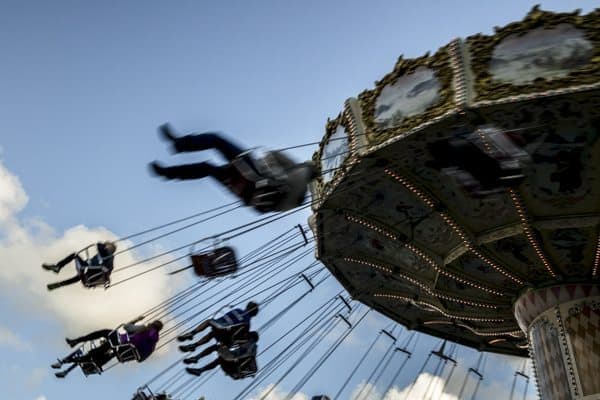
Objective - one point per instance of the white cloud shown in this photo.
(277, 393)
(12, 196)
(10, 339)
(26, 245)
(426, 384)
(41, 398)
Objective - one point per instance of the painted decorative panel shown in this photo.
(552, 375)
(335, 151)
(410, 95)
(540, 53)
(583, 331)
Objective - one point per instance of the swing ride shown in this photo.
(464, 202)
(457, 198)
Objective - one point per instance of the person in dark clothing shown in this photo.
(227, 351)
(464, 155)
(273, 183)
(226, 329)
(103, 259)
(235, 362)
(142, 337)
(99, 355)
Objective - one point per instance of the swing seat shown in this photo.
(218, 262)
(233, 333)
(124, 350)
(245, 369)
(90, 368)
(238, 351)
(146, 394)
(92, 275)
(260, 184)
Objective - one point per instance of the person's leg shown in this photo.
(58, 266)
(204, 339)
(207, 367)
(190, 171)
(203, 353)
(64, 373)
(190, 335)
(70, 281)
(99, 334)
(205, 141)
(67, 359)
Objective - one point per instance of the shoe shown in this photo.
(52, 286)
(71, 342)
(185, 336)
(191, 360)
(167, 132)
(194, 371)
(188, 347)
(158, 170)
(57, 364)
(61, 374)
(51, 267)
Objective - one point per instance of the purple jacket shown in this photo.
(145, 342)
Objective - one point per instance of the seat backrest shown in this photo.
(90, 368)
(127, 352)
(248, 367)
(238, 351)
(219, 262)
(93, 275)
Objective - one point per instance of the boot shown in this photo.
(188, 347)
(185, 336)
(57, 365)
(61, 374)
(167, 132)
(52, 286)
(191, 360)
(159, 170)
(194, 371)
(51, 267)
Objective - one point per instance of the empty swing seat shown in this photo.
(218, 262)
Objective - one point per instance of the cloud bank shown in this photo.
(25, 245)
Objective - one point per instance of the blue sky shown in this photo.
(83, 86)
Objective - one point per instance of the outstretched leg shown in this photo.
(64, 373)
(204, 339)
(190, 171)
(59, 265)
(205, 141)
(207, 367)
(203, 353)
(99, 334)
(70, 281)
(190, 335)
(71, 358)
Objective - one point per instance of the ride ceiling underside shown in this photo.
(408, 240)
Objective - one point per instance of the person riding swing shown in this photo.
(228, 329)
(237, 362)
(92, 271)
(106, 344)
(272, 183)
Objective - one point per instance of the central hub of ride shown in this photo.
(467, 178)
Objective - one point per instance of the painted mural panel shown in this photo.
(540, 53)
